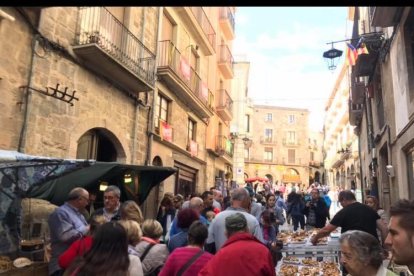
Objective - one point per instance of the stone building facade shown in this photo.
(340, 143)
(153, 87)
(242, 119)
(280, 149)
(384, 119)
(108, 120)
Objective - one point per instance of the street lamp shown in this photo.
(247, 142)
(332, 56)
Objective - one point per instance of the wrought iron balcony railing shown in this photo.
(226, 56)
(98, 26)
(224, 145)
(170, 57)
(227, 14)
(205, 24)
(224, 105)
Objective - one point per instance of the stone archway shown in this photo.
(114, 131)
(99, 144)
(317, 177)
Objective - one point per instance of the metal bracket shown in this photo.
(56, 93)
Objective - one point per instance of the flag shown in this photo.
(362, 49)
(351, 54)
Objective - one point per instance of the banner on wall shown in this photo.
(185, 68)
(166, 131)
(193, 148)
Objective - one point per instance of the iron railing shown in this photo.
(169, 56)
(226, 56)
(224, 145)
(227, 14)
(202, 19)
(97, 25)
(224, 100)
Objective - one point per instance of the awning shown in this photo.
(113, 173)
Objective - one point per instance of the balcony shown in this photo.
(198, 23)
(358, 92)
(268, 140)
(365, 64)
(181, 78)
(109, 48)
(315, 164)
(227, 22)
(224, 146)
(384, 16)
(224, 105)
(225, 62)
(355, 113)
(290, 143)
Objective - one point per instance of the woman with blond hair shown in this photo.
(152, 254)
(134, 234)
(130, 210)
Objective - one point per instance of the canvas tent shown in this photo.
(26, 176)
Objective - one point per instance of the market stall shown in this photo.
(301, 257)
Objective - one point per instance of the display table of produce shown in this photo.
(300, 266)
(298, 244)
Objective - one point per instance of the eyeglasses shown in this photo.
(109, 197)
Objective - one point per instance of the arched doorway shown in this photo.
(100, 144)
(318, 177)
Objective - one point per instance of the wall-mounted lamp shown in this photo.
(247, 142)
(332, 56)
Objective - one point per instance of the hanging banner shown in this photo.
(193, 148)
(204, 90)
(185, 68)
(166, 131)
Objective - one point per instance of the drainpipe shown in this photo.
(27, 99)
(150, 125)
(134, 131)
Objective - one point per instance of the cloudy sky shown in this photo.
(284, 46)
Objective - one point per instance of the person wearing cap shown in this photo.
(241, 254)
(240, 203)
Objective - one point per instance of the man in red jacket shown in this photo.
(241, 254)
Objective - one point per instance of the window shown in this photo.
(191, 130)
(268, 117)
(161, 110)
(312, 156)
(247, 121)
(291, 119)
(268, 134)
(246, 154)
(291, 137)
(291, 156)
(268, 154)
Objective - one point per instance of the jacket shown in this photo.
(241, 254)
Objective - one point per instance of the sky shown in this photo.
(284, 46)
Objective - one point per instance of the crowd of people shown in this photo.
(208, 234)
